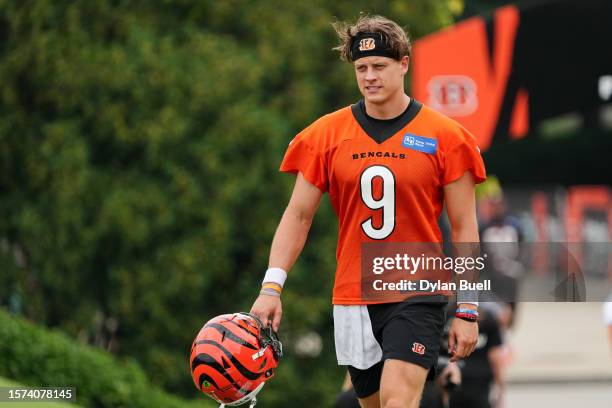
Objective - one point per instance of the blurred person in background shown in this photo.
(607, 315)
(476, 381)
(482, 373)
(501, 235)
(437, 393)
(389, 163)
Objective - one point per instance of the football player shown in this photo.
(389, 163)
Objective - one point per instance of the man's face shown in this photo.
(380, 77)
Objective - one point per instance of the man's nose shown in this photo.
(370, 75)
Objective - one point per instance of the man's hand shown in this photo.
(449, 377)
(269, 310)
(462, 338)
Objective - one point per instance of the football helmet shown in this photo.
(233, 356)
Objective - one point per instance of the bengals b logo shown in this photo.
(367, 44)
(418, 348)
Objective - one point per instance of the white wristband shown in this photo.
(275, 275)
(468, 303)
(467, 296)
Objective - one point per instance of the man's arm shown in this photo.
(461, 209)
(293, 228)
(288, 243)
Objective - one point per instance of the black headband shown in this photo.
(371, 44)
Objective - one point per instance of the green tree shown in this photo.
(139, 145)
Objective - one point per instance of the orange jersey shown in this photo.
(387, 190)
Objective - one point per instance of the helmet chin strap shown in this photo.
(252, 398)
(251, 405)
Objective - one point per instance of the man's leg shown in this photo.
(401, 384)
(373, 401)
(410, 348)
(366, 384)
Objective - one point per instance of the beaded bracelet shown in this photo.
(269, 292)
(466, 316)
(271, 289)
(468, 311)
(273, 286)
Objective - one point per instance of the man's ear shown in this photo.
(405, 61)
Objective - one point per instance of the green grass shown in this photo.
(9, 383)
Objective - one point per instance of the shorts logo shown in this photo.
(418, 348)
(367, 44)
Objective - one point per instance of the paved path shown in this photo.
(560, 342)
(560, 396)
(561, 357)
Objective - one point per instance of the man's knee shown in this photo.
(393, 403)
(373, 401)
(401, 384)
(400, 402)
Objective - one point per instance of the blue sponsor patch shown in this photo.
(420, 143)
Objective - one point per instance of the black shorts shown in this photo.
(406, 331)
(471, 395)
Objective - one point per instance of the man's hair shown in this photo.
(395, 36)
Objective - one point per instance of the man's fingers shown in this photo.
(266, 319)
(462, 348)
(465, 347)
(261, 316)
(277, 319)
(452, 340)
(470, 345)
(269, 310)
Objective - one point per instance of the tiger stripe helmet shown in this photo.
(233, 356)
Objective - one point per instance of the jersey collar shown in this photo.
(381, 130)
